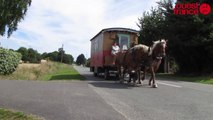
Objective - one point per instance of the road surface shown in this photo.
(97, 99)
(172, 100)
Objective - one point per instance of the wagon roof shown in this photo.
(118, 29)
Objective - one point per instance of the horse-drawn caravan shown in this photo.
(131, 58)
(102, 61)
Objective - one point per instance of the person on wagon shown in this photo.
(115, 50)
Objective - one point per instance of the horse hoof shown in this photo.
(155, 86)
(149, 84)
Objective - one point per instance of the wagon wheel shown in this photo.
(117, 76)
(95, 74)
(106, 74)
(125, 76)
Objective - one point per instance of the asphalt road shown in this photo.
(96, 99)
(170, 101)
(57, 100)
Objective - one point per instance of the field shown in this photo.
(45, 71)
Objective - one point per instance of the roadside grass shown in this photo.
(63, 72)
(198, 79)
(6, 114)
(46, 71)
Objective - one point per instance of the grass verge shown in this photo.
(46, 71)
(15, 115)
(198, 79)
(63, 72)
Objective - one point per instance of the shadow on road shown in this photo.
(110, 84)
(100, 82)
(66, 77)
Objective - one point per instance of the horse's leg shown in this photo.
(134, 77)
(122, 80)
(154, 85)
(130, 77)
(139, 76)
(150, 80)
(124, 72)
(119, 72)
(144, 74)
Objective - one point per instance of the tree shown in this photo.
(24, 53)
(29, 55)
(56, 56)
(44, 55)
(68, 59)
(151, 26)
(88, 62)
(53, 56)
(33, 56)
(190, 38)
(12, 12)
(81, 60)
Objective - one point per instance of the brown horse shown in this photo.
(133, 58)
(153, 62)
(142, 53)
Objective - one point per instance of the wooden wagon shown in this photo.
(101, 45)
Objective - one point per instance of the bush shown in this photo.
(9, 60)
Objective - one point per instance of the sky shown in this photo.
(51, 23)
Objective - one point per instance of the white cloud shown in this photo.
(51, 23)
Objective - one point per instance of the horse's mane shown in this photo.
(157, 42)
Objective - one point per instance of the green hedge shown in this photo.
(9, 60)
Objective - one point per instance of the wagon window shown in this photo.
(124, 41)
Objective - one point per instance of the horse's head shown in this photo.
(158, 48)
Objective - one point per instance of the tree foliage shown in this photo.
(32, 56)
(24, 53)
(53, 56)
(67, 58)
(81, 60)
(12, 12)
(151, 25)
(29, 55)
(56, 56)
(190, 37)
(88, 62)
